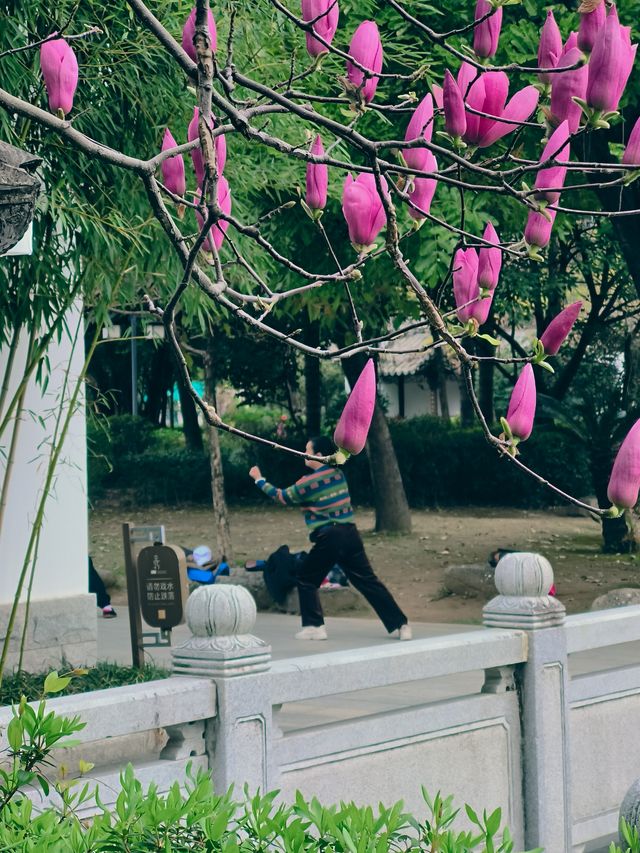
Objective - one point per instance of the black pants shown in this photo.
(341, 543)
(96, 585)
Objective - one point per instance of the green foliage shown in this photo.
(197, 819)
(441, 464)
(98, 677)
(631, 839)
(33, 732)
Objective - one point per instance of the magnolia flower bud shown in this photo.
(522, 405)
(365, 48)
(60, 71)
(189, 31)
(363, 209)
(317, 179)
(558, 329)
(173, 167)
(353, 427)
(624, 483)
(324, 14)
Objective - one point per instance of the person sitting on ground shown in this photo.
(324, 498)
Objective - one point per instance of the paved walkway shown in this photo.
(277, 629)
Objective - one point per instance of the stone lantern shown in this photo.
(19, 190)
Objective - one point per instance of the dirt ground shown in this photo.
(412, 565)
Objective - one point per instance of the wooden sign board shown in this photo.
(163, 585)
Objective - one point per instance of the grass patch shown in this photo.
(99, 677)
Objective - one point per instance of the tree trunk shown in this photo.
(313, 384)
(631, 391)
(616, 536)
(467, 415)
(392, 509)
(485, 381)
(224, 548)
(443, 397)
(190, 425)
(159, 380)
(441, 378)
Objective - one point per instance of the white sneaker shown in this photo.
(403, 633)
(312, 632)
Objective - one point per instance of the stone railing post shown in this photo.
(221, 618)
(523, 581)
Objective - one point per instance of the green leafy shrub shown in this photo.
(441, 465)
(100, 676)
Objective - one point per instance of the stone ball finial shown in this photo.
(524, 574)
(630, 808)
(221, 610)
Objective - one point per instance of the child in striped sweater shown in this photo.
(323, 496)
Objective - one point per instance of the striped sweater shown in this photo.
(323, 496)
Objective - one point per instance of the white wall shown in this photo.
(419, 399)
(61, 568)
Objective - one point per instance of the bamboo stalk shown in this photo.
(54, 443)
(13, 348)
(8, 471)
(37, 522)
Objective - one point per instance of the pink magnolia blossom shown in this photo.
(537, 231)
(215, 237)
(567, 86)
(549, 180)
(624, 483)
(610, 64)
(421, 195)
(488, 94)
(420, 127)
(196, 154)
(363, 209)
(317, 179)
(489, 259)
(173, 167)
(631, 156)
(486, 34)
(522, 405)
(365, 48)
(590, 25)
(558, 329)
(60, 71)
(455, 119)
(550, 47)
(324, 14)
(466, 288)
(353, 426)
(189, 31)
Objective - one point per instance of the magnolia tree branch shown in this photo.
(92, 31)
(441, 40)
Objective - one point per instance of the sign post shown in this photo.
(132, 535)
